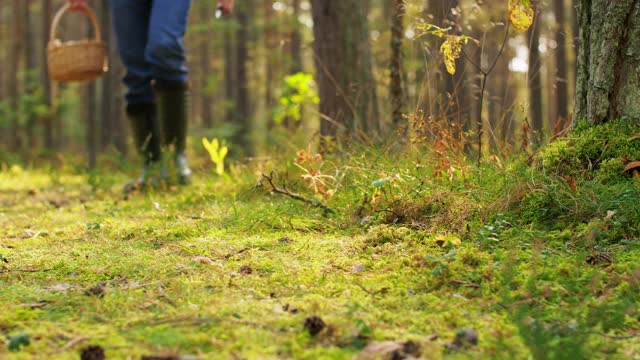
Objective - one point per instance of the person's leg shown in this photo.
(165, 52)
(131, 23)
(131, 20)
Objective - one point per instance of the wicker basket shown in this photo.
(82, 60)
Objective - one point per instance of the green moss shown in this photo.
(593, 151)
(500, 251)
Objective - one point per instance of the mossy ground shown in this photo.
(222, 270)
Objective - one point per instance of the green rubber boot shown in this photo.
(147, 138)
(172, 101)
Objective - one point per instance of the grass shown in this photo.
(221, 269)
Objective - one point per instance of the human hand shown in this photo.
(78, 5)
(226, 6)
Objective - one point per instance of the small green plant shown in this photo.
(298, 90)
(218, 152)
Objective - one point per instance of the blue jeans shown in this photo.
(149, 35)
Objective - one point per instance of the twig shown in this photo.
(612, 337)
(230, 255)
(485, 75)
(72, 343)
(6, 271)
(196, 321)
(165, 296)
(465, 283)
(286, 192)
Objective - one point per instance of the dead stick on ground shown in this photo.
(229, 256)
(165, 296)
(284, 191)
(72, 343)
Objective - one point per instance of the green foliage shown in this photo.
(17, 342)
(583, 183)
(217, 152)
(225, 268)
(297, 91)
(590, 152)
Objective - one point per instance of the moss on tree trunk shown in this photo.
(608, 76)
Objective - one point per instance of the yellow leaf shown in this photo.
(444, 240)
(451, 50)
(521, 14)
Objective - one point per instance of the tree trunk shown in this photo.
(535, 84)
(270, 44)
(107, 81)
(14, 68)
(29, 77)
(296, 40)
(346, 85)
(242, 138)
(562, 75)
(91, 116)
(608, 80)
(48, 119)
(205, 68)
(396, 90)
(230, 81)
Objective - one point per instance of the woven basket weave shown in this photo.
(73, 61)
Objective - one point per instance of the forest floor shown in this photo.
(221, 269)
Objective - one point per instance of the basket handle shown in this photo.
(92, 16)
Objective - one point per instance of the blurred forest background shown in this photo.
(252, 77)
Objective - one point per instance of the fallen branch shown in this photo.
(286, 192)
(194, 321)
(165, 296)
(72, 343)
(230, 255)
(7, 271)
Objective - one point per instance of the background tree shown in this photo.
(397, 38)
(343, 68)
(608, 85)
(534, 79)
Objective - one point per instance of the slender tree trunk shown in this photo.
(242, 138)
(107, 84)
(14, 69)
(230, 81)
(535, 84)
(296, 40)
(30, 74)
(608, 81)
(49, 117)
(344, 70)
(92, 137)
(205, 67)
(562, 75)
(296, 57)
(269, 39)
(396, 90)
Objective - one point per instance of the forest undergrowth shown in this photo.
(398, 252)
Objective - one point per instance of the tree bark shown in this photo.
(29, 76)
(48, 119)
(296, 40)
(205, 68)
(230, 81)
(535, 84)
(14, 68)
(107, 84)
(396, 88)
(270, 44)
(242, 138)
(608, 80)
(346, 85)
(562, 75)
